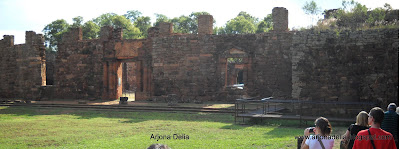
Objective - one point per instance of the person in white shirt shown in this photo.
(321, 139)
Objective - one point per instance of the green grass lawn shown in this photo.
(25, 127)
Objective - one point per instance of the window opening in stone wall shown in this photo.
(235, 60)
(129, 80)
(49, 66)
(240, 77)
(235, 73)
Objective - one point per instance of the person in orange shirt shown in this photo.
(374, 137)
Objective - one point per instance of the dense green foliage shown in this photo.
(244, 23)
(354, 15)
(135, 25)
(182, 24)
(265, 25)
(53, 33)
(90, 30)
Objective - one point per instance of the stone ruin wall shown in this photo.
(346, 66)
(309, 65)
(89, 69)
(196, 66)
(22, 66)
(78, 67)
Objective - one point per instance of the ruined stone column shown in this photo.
(106, 33)
(280, 19)
(118, 34)
(205, 24)
(166, 29)
(8, 40)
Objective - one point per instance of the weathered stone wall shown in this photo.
(349, 66)
(195, 66)
(272, 66)
(307, 65)
(22, 67)
(79, 67)
(93, 69)
(184, 65)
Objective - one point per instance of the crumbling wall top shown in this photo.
(205, 24)
(7, 41)
(31, 38)
(280, 19)
(165, 28)
(153, 32)
(109, 33)
(73, 35)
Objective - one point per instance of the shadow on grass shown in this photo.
(137, 117)
(235, 127)
(282, 132)
(130, 116)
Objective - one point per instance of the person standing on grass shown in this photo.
(361, 124)
(321, 139)
(374, 137)
(391, 122)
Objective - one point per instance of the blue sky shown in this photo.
(18, 16)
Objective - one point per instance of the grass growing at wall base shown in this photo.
(70, 128)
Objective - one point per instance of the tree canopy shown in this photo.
(355, 15)
(244, 23)
(53, 33)
(311, 8)
(135, 25)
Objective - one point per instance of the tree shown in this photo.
(143, 23)
(352, 15)
(248, 17)
(348, 5)
(139, 21)
(219, 30)
(77, 21)
(310, 8)
(243, 23)
(119, 21)
(105, 19)
(182, 24)
(53, 33)
(265, 25)
(90, 30)
(133, 15)
(376, 17)
(130, 31)
(160, 18)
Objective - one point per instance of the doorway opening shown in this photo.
(129, 77)
(234, 73)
